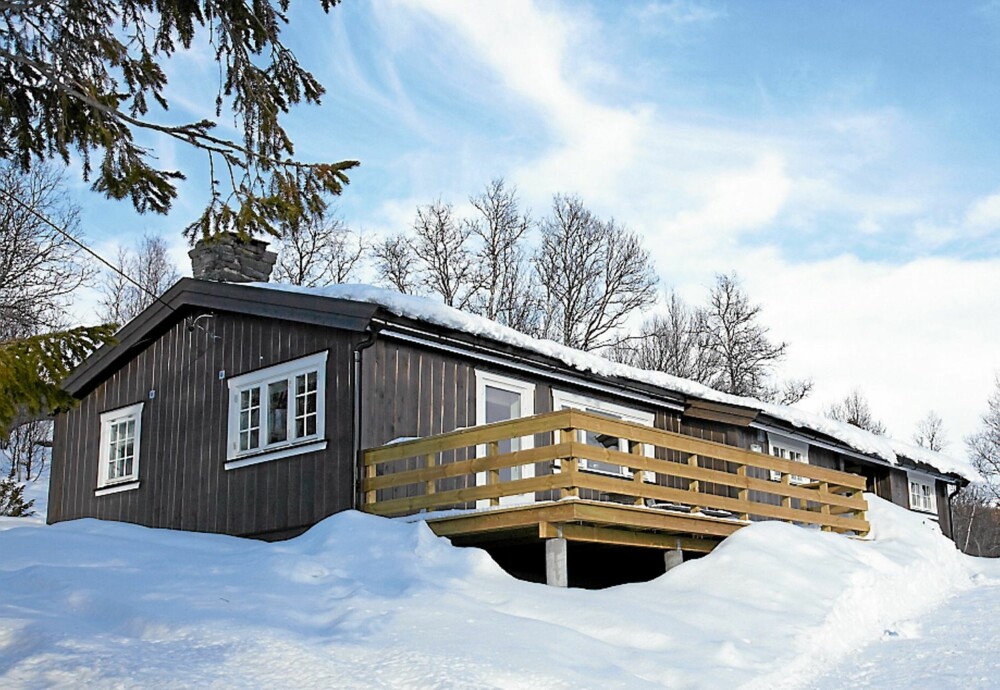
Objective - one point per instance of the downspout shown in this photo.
(363, 345)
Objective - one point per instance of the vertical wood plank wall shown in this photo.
(183, 483)
(407, 391)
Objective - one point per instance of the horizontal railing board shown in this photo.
(460, 468)
(402, 506)
(676, 469)
(595, 453)
(704, 500)
(466, 438)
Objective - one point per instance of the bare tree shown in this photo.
(396, 264)
(930, 432)
(854, 410)
(506, 293)
(593, 275)
(787, 392)
(446, 263)
(984, 445)
(39, 267)
(26, 449)
(745, 354)
(975, 520)
(151, 271)
(674, 342)
(318, 252)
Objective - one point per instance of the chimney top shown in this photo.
(226, 258)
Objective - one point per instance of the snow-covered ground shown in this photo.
(954, 646)
(361, 601)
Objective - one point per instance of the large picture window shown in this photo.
(277, 411)
(119, 458)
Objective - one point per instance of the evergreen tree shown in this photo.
(31, 370)
(87, 76)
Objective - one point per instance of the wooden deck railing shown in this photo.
(744, 489)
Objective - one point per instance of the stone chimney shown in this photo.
(226, 258)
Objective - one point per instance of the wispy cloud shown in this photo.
(682, 12)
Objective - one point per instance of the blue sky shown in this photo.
(844, 158)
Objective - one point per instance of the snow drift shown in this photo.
(362, 601)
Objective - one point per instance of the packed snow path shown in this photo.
(954, 646)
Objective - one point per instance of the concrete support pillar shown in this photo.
(556, 572)
(672, 559)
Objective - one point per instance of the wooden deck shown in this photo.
(669, 492)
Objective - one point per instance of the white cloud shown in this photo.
(682, 12)
(915, 337)
(738, 201)
(984, 213)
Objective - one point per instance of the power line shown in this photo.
(69, 236)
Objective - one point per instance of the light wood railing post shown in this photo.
(786, 501)
(824, 507)
(493, 478)
(694, 486)
(638, 474)
(430, 486)
(744, 494)
(569, 465)
(860, 514)
(371, 471)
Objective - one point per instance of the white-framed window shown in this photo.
(788, 449)
(277, 411)
(562, 400)
(499, 398)
(118, 464)
(922, 494)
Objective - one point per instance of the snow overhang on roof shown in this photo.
(432, 312)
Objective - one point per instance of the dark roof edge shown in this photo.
(189, 293)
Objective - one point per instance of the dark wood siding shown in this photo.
(183, 483)
(943, 506)
(411, 391)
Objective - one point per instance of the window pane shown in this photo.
(306, 404)
(502, 405)
(277, 411)
(249, 419)
(605, 442)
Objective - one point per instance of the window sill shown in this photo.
(925, 511)
(276, 454)
(116, 488)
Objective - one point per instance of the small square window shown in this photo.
(788, 449)
(922, 496)
(120, 440)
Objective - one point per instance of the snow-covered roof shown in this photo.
(431, 311)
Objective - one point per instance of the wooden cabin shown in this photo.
(259, 410)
